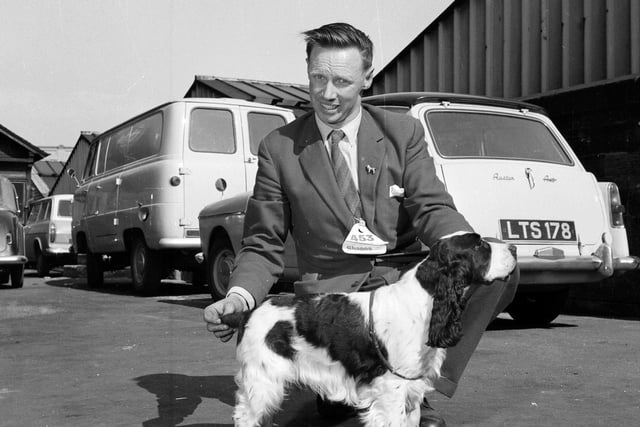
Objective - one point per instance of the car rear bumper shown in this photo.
(13, 259)
(58, 251)
(173, 243)
(558, 269)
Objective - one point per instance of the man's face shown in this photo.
(336, 78)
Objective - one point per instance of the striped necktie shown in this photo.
(343, 174)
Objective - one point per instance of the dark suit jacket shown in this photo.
(296, 191)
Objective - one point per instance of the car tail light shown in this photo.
(52, 232)
(615, 205)
(9, 239)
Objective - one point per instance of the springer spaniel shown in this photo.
(379, 355)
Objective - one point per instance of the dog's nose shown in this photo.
(514, 250)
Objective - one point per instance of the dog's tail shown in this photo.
(236, 320)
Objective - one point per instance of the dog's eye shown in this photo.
(481, 244)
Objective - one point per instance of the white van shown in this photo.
(145, 181)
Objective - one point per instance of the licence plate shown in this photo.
(537, 230)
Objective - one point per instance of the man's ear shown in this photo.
(368, 79)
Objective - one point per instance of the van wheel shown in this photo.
(41, 264)
(4, 277)
(17, 276)
(220, 262)
(95, 270)
(146, 268)
(537, 308)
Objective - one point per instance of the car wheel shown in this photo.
(146, 267)
(95, 270)
(537, 308)
(220, 262)
(4, 277)
(17, 276)
(42, 266)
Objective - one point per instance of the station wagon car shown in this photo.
(514, 177)
(47, 233)
(12, 259)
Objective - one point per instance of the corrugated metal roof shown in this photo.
(273, 93)
(47, 168)
(37, 152)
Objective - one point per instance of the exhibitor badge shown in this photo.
(361, 241)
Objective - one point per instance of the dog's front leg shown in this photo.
(413, 415)
(267, 421)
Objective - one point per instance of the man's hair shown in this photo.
(340, 35)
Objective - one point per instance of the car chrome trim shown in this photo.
(601, 261)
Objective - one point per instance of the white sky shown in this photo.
(73, 65)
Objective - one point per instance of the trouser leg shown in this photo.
(485, 302)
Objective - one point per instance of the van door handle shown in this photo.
(252, 159)
(98, 187)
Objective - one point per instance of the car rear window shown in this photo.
(64, 208)
(460, 134)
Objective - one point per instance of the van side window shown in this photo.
(260, 125)
(89, 169)
(145, 138)
(102, 155)
(212, 131)
(134, 142)
(33, 214)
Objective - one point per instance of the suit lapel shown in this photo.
(371, 152)
(315, 163)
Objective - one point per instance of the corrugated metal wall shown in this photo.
(518, 48)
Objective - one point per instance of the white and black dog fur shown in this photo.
(327, 343)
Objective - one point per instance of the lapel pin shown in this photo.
(370, 169)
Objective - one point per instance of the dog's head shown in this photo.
(453, 266)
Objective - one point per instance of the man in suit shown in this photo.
(372, 182)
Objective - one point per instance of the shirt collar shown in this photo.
(350, 129)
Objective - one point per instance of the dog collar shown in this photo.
(372, 333)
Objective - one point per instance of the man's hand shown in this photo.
(231, 304)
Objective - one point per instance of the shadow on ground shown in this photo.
(178, 396)
(121, 285)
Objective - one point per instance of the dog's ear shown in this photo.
(445, 327)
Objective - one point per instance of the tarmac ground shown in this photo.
(75, 356)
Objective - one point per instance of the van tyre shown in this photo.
(146, 268)
(220, 263)
(537, 308)
(17, 276)
(95, 270)
(42, 265)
